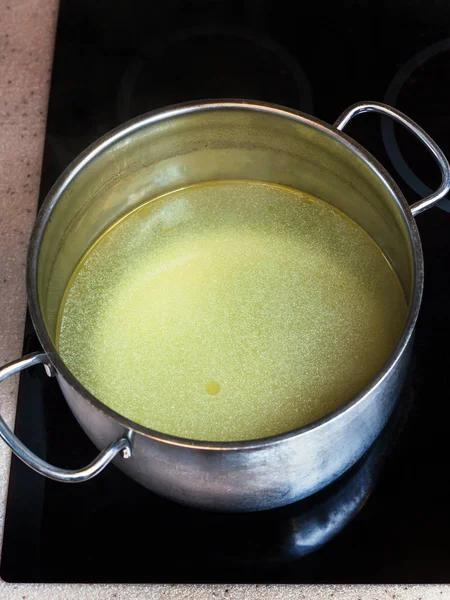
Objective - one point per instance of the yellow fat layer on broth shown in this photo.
(231, 310)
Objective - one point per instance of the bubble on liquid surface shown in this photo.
(213, 388)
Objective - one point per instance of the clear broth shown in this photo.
(230, 310)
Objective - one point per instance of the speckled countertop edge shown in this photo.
(27, 29)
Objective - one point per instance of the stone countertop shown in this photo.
(27, 29)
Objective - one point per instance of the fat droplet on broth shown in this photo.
(213, 388)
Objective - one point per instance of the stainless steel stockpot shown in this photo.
(187, 144)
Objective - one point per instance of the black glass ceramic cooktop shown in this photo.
(388, 519)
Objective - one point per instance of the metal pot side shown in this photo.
(197, 142)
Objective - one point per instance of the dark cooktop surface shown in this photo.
(388, 519)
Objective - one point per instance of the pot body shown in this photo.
(216, 141)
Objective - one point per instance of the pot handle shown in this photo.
(430, 144)
(121, 445)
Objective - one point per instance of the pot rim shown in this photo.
(143, 121)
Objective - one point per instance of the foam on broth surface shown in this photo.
(229, 311)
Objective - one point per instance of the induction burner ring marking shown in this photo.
(129, 80)
(387, 127)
